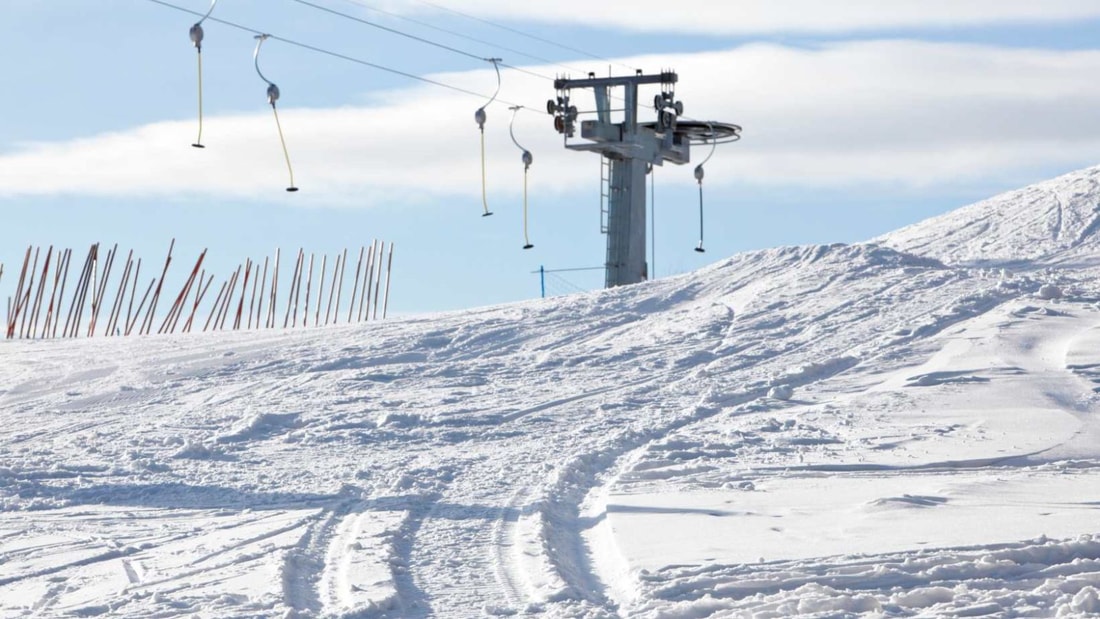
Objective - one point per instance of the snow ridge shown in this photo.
(1050, 223)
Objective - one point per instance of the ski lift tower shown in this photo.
(628, 149)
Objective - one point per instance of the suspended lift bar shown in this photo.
(480, 117)
(527, 159)
(196, 39)
(272, 97)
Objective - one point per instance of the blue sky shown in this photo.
(859, 118)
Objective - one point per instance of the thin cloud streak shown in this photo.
(898, 112)
(746, 17)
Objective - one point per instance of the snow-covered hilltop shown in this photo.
(891, 428)
(1050, 223)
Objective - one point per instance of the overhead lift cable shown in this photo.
(326, 52)
(523, 34)
(461, 35)
(453, 50)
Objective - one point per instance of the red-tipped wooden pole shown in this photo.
(217, 307)
(80, 294)
(120, 295)
(263, 289)
(274, 291)
(101, 292)
(228, 299)
(13, 308)
(177, 305)
(244, 293)
(39, 297)
(147, 325)
(130, 325)
(133, 297)
(198, 300)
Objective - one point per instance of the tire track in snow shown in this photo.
(304, 565)
(587, 473)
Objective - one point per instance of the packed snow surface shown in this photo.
(907, 427)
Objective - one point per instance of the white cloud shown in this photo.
(901, 112)
(739, 17)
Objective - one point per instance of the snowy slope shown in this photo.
(889, 428)
(1049, 223)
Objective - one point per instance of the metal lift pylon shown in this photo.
(630, 147)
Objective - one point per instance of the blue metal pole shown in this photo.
(542, 279)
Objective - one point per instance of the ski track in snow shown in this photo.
(741, 441)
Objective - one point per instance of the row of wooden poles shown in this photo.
(39, 303)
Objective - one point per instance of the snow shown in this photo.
(905, 427)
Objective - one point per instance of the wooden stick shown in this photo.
(26, 300)
(61, 292)
(378, 282)
(133, 296)
(198, 300)
(376, 258)
(340, 289)
(293, 285)
(13, 310)
(217, 305)
(228, 299)
(80, 294)
(120, 295)
(36, 307)
(263, 287)
(332, 291)
(274, 291)
(389, 270)
(176, 318)
(130, 326)
(320, 291)
(147, 324)
(252, 305)
(309, 284)
(177, 305)
(244, 293)
(355, 287)
(53, 293)
(364, 297)
(97, 300)
(298, 285)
